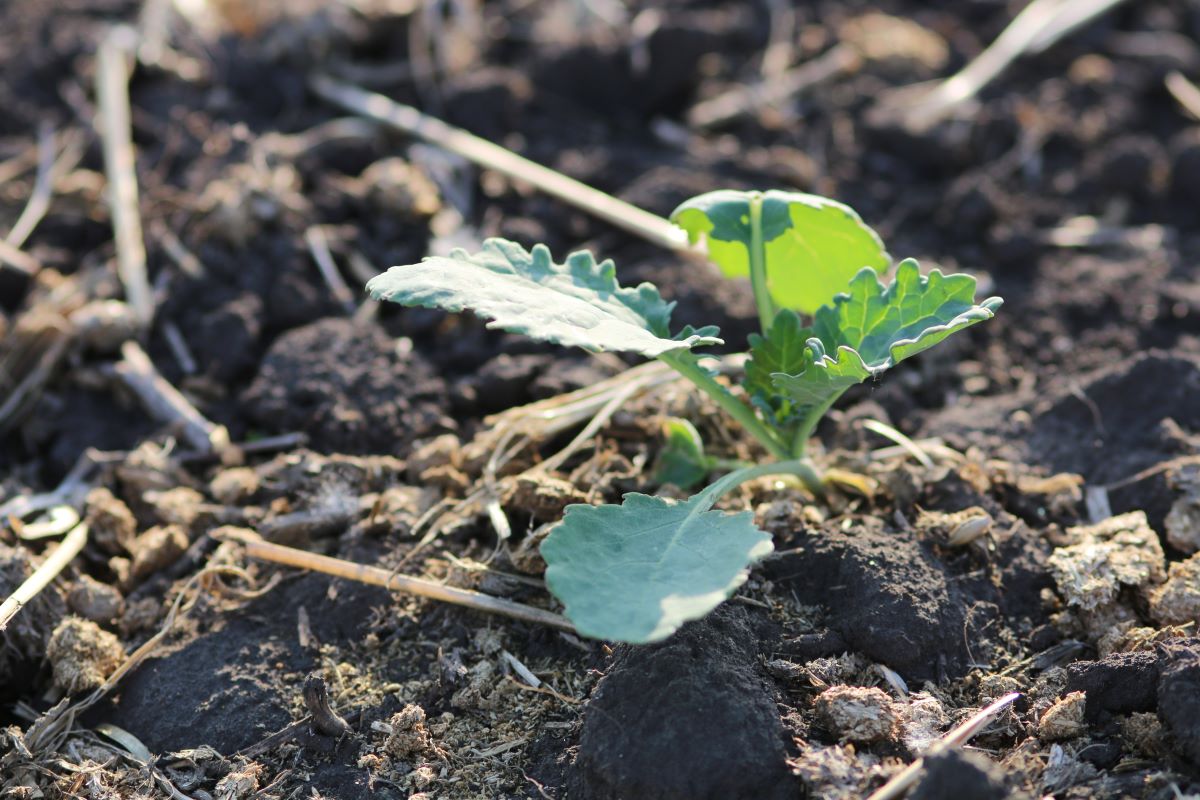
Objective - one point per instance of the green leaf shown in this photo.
(637, 571)
(813, 245)
(872, 328)
(575, 303)
(783, 350)
(682, 460)
(886, 325)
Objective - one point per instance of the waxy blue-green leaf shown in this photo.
(813, 245)
(871, 328)
(637, 571)
(575, 303)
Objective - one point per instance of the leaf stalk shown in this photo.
(758, 266)
(690, 369)
(809, 425)
(801, 468)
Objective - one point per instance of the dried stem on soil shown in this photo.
(39, 198)
(165, 403)
(318, 245)
(112, 96)
(743, 100)
(43, 575)
(1186, 93)
(1039, 25)
(19, 259)
(18, 402)
(492, 156)
(290, 556)
(904, 780)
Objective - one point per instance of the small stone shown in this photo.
(1183, 522)
(450, 480)
(241, 783)
(140, 615)
(399, 189)
(82, 655)
(235, 486)
(1065, 719)
(896, 41)
(178, 506)
(441, 451)
(858, 714)
(104, 325)
(397, 508)
(526, 557)
(543, 496)
(1177, 602)
(155, 549)
(111, 524)
(95, 601)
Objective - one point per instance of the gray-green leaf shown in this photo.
(871, 328)
(637, 571)
(575, 303)
(813, 245)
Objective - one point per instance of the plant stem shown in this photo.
(688, 367)
(800, 467)
(758, 266)
(809, 424)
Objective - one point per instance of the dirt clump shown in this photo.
(1103, 558)
(955, 774)
(82, 655)
(111, 524)
(96, 601)
(24, 640)
(348, 387)
(1179, 699)
(1177, 601)
(858, 714)
(1065, 719)
(724, 737)
(1119, 682)
(156, 548)
(887, 596)
(409, 738)
(234, 486)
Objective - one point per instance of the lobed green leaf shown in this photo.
(637, 571)
(871, 328)
(784, 350)
(578, 302)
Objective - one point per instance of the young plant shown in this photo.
(636, 571)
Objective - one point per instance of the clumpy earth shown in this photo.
(1064, 435)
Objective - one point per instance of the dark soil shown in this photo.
(1083, 390)
(955, 774)
(726, 739)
